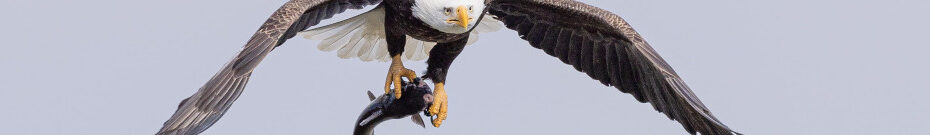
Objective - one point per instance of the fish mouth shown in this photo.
(428, 98)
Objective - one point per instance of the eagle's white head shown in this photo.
(449, 16)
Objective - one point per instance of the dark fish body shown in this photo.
(416, 97)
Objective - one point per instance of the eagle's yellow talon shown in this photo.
(395, 72)
(440, 105)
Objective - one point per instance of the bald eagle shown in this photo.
(592, 40)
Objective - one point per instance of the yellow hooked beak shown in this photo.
(463, 18)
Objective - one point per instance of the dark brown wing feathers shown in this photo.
(198, 112)
(604, 46)
(594, 41)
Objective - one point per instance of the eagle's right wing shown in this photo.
(201, 110)
(606, 47)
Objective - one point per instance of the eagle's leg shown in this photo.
(439, 61)
(397, 70)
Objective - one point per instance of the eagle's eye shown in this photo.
(448, 11)
(470, 7)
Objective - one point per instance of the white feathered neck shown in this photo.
(432, 12)
(363, 37)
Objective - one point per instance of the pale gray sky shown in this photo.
(118, 67)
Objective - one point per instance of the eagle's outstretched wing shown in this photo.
(605, 47)
(198, 112)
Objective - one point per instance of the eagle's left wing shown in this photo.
(201, 110)
(605, 47)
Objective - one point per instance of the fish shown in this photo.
(417, 98)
